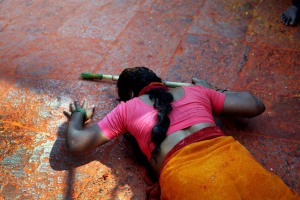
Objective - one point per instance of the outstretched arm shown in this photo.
(242, 104)
(79, 139)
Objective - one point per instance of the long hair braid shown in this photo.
(131, 81)
(162, 102)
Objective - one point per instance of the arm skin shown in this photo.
(81, 140)
(242, 104)
(238, 104)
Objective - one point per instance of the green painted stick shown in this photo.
(87, 75)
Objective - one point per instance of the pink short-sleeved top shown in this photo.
(138, 118)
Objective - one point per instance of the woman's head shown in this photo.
(132, 80)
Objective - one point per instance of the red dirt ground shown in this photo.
(45, 45)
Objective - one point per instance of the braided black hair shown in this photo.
(131, 81)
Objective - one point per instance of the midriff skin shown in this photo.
(171, 140)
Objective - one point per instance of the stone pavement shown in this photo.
(45, 45)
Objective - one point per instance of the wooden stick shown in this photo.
(87, 75)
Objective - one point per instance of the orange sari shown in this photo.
(219, 168)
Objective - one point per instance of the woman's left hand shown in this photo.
(76, 105)
(203, 83)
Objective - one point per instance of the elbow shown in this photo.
(72, 143)
(73, 149)
(259, 108)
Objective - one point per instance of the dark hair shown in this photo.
(131, 81)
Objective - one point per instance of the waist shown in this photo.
(206, 133)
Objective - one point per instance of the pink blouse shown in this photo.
(138, 118)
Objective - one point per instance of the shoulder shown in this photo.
(129, 102)
(187, 92)
(128, 105)
(203, 92)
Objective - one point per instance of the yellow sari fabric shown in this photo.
(219, 168)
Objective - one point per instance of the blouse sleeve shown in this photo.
(114, 123)
(216, 99)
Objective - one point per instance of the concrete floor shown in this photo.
(45, 45)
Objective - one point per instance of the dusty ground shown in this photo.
(45, 45)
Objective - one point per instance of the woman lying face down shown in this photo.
(176, 131)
